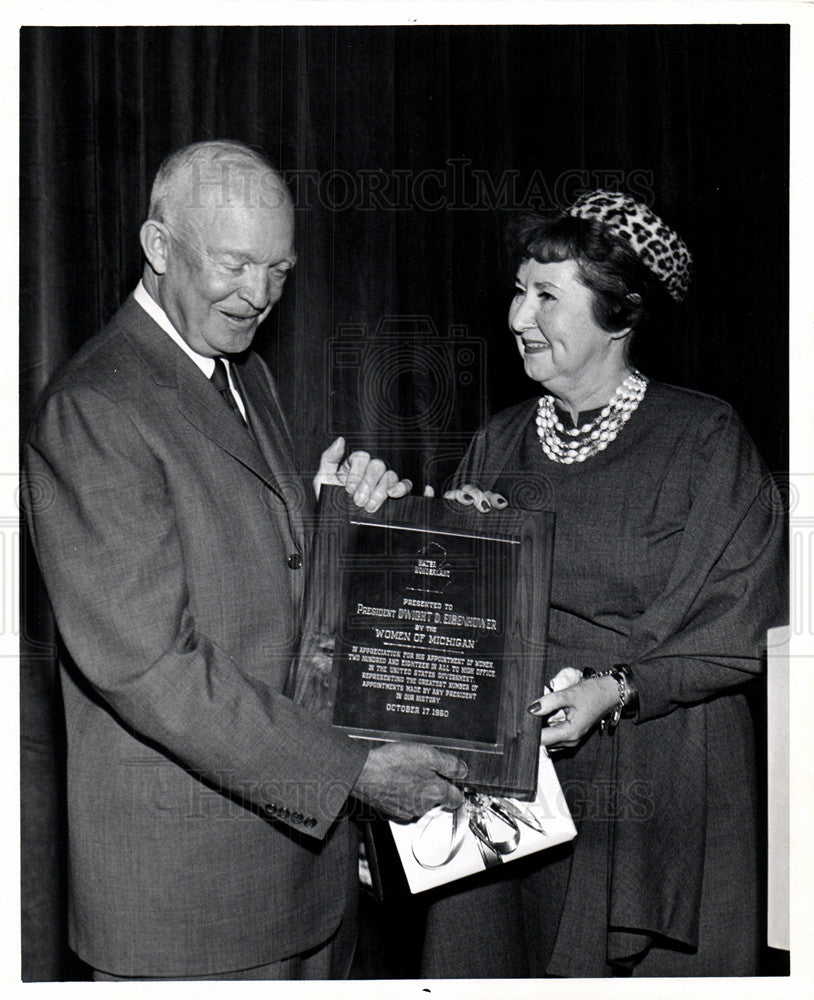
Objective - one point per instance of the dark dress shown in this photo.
(669, 556)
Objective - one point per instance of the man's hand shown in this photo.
(471, 496)
(366, 479)
(405, 780)
(582, 706)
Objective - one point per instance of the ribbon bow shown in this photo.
(493, 820)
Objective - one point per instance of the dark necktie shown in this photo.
(220, 379)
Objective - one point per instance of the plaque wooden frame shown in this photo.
(506, 761)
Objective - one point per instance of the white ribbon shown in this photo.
(494, 821)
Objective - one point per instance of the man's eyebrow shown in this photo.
(540, 285)
(244, 258)
(240, 258)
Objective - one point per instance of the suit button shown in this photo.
(310, 822)
(295, 560)
(297, 818)
(283, 813)
(269, 809)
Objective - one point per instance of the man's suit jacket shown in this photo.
(202, 803)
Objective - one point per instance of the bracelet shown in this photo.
(631, 708)
(610, 720)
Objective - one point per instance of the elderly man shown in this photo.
(206, 810)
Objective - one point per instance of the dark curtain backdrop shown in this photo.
(408, 151)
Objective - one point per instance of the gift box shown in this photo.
(486, 831)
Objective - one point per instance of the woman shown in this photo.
(668, 569)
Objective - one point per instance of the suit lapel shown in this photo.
(197, 399)
(273, 438)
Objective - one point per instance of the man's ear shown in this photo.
(155, 244)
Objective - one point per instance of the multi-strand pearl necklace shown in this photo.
(578, 443)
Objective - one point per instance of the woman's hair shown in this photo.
(625, 292)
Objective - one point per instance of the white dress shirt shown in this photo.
(207, 365)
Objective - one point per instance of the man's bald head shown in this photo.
(204, 177)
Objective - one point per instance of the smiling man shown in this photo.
(206, 810)
(219, 245)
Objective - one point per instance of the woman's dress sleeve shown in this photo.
(706, 632)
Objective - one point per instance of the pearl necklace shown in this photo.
(575, 444)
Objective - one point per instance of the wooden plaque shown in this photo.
(439, 616)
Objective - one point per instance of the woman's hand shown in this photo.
(582, 706)
(563, 679)
(471, 496)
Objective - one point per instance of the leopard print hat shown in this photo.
(657, 246)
